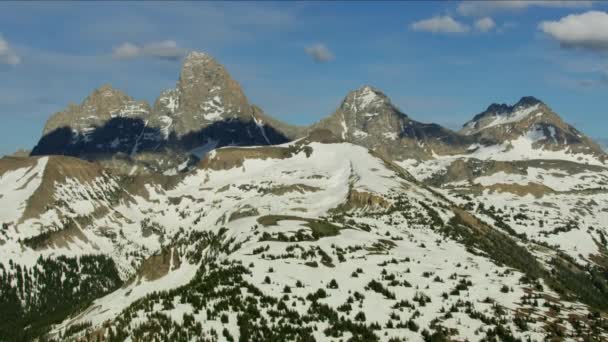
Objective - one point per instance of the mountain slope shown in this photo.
(532, 174)
(327, 234)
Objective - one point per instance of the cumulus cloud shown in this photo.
(440, 24)
(483, 8)
(167, 49)
(485, 24)
(588, 30)
(7, 54)
(319, 52)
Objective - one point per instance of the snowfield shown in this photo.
(325, 226)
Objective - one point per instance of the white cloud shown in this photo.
(483, 8)
(167, 49)
(485, 24)
(319, 52)
(588, 30)
(7, 54)
(440, 24)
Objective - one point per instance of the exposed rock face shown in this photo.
(532, 119)
(206, 93)
(367, 117)
(100, 106)
(206, 110)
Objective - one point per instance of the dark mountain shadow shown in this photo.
(424, 131)
(132, 135)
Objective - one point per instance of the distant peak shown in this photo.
(367, 89)
(365, 97)
(503, 108)
(105, 87)
(498, 108)
(195, 62)
(106, 91)
(197, 55)
(196, 58)
(528, 101)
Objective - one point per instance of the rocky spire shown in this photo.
(207, 90)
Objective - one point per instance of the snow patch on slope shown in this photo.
(16, 187)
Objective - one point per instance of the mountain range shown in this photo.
(208, 109)
(201, 218)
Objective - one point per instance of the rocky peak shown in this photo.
(498, 115)
(205, 93)
(529, 121)
(505, 109)
(100, 106)
(367, 117)
(365, 100)
(527, 101)
(105, 100)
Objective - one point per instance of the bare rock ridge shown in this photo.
(208, 109)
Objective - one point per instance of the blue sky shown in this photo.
(439, 61)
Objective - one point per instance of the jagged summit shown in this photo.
(528, 101)
(529, 129)
(366, 98)
(505, 109)
(502, 114)
(197, 55)
(205, 93)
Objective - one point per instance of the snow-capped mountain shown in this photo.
(202, 219)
